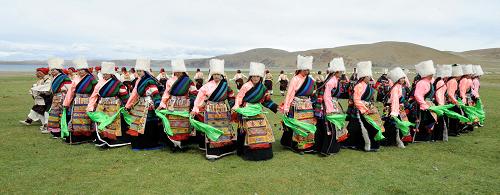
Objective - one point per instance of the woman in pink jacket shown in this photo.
(76, 101)
(394, 104)
(452, 98)
(443, 73)
(424, 98)
(211, 107)
(109, 95)
(328, 136)
(298, 105)
(363, 135)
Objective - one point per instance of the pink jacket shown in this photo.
(359, 89)
(95, 95)
(241, 94)
(204, 92)
(464, 85)
(327, 96)
(451, 89)
(166, 94)
(423, 86)
(475, 87)
(70, 94)
(440, 92)
(396, 93)
(134, 96)
(293, 86)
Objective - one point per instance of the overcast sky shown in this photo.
(108, 29)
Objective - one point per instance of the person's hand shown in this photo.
(235, 107)
(192, 113)
(161, 106)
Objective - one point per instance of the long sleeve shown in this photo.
(290, 94)
(475, 87)
(441, 90)
(94, 96)
(359, 89)
(134, 96)
(202, 95)
(451, 89)
(396, 94)
(269, 103)
(327, 96)
(239, 97)
(166, 93)
(463, 87)
(70, 94)
(421, 89)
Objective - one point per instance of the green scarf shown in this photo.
(250, 110)
(211, 132)
(379, 135)
(472, 112)
(104, 120)
(404, 126)
(299, 127)
(64, 124)
(445, 110)
(337, 119)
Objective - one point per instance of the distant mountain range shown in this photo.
(382, 54)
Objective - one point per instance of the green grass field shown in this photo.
(34, 163)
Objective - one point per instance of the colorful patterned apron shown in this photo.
(139, 113)
(303, 111)
(258, 130)
(80, 123)
(54, 121)
(109, 106)
(180, 125)
(217, 114)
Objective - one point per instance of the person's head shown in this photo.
(402, 80)
(304, 72)
(197, 70)
(338, 73)
(82, 72)
(55, 72)
(255, 79)
(124, 69)
(327, 72)
(354, 70)
(238, 71)
(319, 72)
(267, 71)
(162, 70)
(217, 77)
(107, 76)
(282, 72)
(179, 74)
(41, 72)
(366, 79)
(141, 73)
(132, 70)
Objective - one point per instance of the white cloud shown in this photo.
(191, 29)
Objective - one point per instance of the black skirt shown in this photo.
(325, 138)
(425, 127)
(454, 124)
(393, 135)
(152, 136)
(356, 138)
(440, 132)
